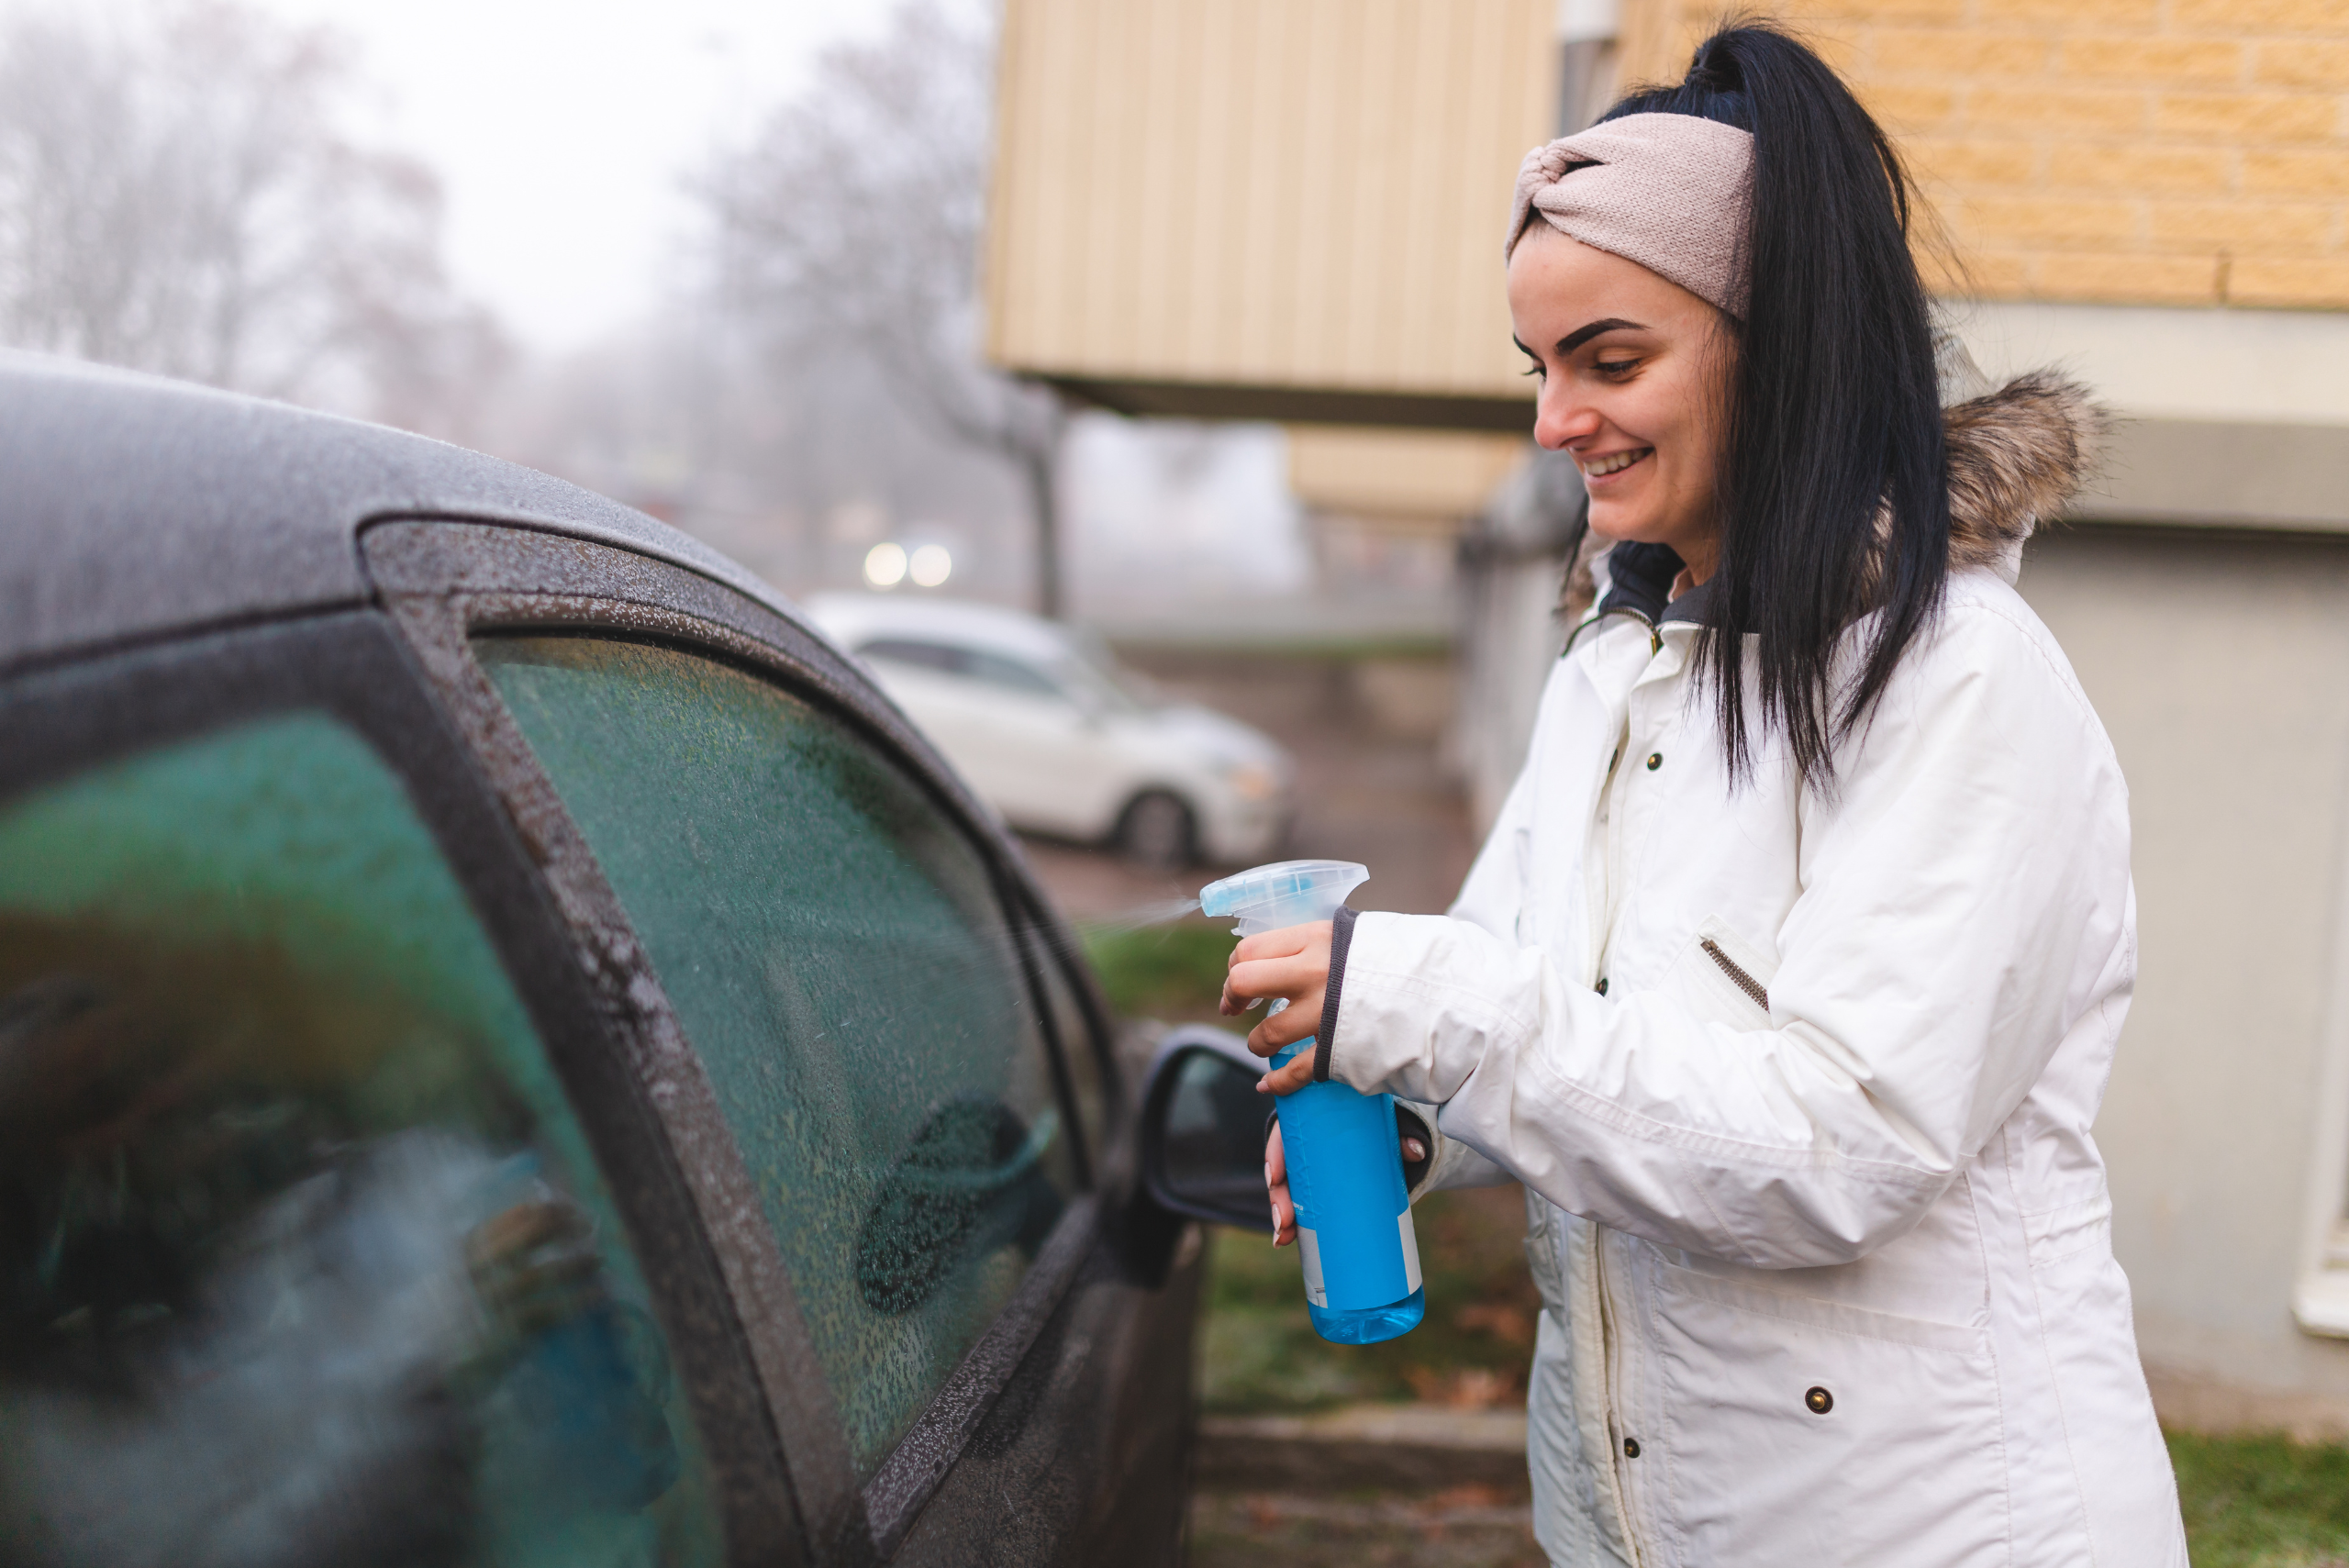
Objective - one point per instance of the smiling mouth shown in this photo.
(1614, 462)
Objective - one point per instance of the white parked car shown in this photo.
(1049, 730)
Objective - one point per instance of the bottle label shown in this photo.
(1410, 1250)
(1309, 1246)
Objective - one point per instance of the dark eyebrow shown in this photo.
(1581, 335)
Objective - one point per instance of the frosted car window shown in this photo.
(1078, 1048)
(303, 1259)
(835, 952)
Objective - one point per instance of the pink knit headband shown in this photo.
(1670, 192)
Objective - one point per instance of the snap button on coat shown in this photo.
(1819, 1401)
(1655, 761)
(1631, 1447)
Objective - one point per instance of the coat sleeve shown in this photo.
(1965, 905)
(1489, 899)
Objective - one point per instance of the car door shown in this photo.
(1063, 764)
(333, 1224)
(870, 989)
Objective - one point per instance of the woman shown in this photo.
(1788, 980)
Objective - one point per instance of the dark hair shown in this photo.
(1831, 496)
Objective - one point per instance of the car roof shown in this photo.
(136, 507)
(854, 618)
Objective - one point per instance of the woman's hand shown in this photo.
(1293, 962)
(1277, 1182)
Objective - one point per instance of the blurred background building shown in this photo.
(1217, 209)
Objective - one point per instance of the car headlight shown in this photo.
(1251, 781)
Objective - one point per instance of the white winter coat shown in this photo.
(1822, 1237)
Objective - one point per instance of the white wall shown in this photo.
(2219, 664)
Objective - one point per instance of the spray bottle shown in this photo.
(1346, 1160)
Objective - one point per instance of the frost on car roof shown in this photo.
(135, 505)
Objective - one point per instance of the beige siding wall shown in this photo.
(1398, 473)
(1309, 193)
(2119, 151)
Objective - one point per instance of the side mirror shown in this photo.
(1203, 1127)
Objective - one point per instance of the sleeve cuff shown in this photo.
(1342, 942)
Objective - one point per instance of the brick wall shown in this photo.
(2136, 151)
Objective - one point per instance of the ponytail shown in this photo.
(1832, 494)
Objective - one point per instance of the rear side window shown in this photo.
(935, 656)
(970, 663)
(1012, 674)
(303, 1258)
(835, 950)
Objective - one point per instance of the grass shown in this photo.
(2263, 1501)
(1173, 972)
(1471, 1350)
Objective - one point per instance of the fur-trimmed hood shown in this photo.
(2016, 456)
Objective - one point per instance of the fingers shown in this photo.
(1300, 1020)
(1293, 978)
(1286, 942)
(1287, 1078)
(1286, 963)
(1277, 1190)
(1414, 1151)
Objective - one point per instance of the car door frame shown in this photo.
(350, 665)
(448, 580)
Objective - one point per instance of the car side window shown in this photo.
(303, 1257)
(1078, 1048)
(1012, 674)
(836, 951)
(933, 656)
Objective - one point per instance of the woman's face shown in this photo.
(1632, 368)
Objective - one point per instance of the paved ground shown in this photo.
(1467, 1526)
(1373, 786)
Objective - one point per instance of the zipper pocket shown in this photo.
(1738, 977)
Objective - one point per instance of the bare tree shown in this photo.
(176, 195)
(853, 221)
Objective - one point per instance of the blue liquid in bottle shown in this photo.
(1345, 1160)
(1353, 1215)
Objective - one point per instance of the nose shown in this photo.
(1560, 417)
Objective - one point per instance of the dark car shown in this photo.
(512, 1051)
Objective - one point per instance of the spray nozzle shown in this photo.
(1287, 892)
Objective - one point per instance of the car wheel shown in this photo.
(1157, 830)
